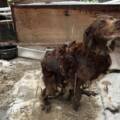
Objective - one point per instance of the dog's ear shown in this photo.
(88, 37)
(94, 32)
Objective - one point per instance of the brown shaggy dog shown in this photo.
(77, 64)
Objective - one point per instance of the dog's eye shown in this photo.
(102, 23)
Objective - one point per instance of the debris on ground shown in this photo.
(21, 100)
(20, 88)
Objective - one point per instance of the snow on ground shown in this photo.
(10, 73)
(20, 88)
(4, 63)
(58, 3)
(73, 3)
(26, 93)
(109, 88)
(22, 100)
(110, 92)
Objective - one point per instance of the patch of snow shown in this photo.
(5, 66)
(26, 87)
(112, 2)
(109, 88)
(100, 115)
(111, 95)
(72, 3)
(22, 111)
(4, 63)
(58, 107)
(61, 3)
(115, 61)
(110, 116)
(21, 62)
(26, 93)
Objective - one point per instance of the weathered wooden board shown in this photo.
(54, 24)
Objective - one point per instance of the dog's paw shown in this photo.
(46, 108)
(76, 107)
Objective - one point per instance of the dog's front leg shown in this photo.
(48, 93)
(46, 105)
(77, 95)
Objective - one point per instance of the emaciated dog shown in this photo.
(77, 64)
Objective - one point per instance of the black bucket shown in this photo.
(7, 32)
(8, 51)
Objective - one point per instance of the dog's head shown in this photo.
(100, 36)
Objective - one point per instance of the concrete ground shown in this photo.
(21, 84)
